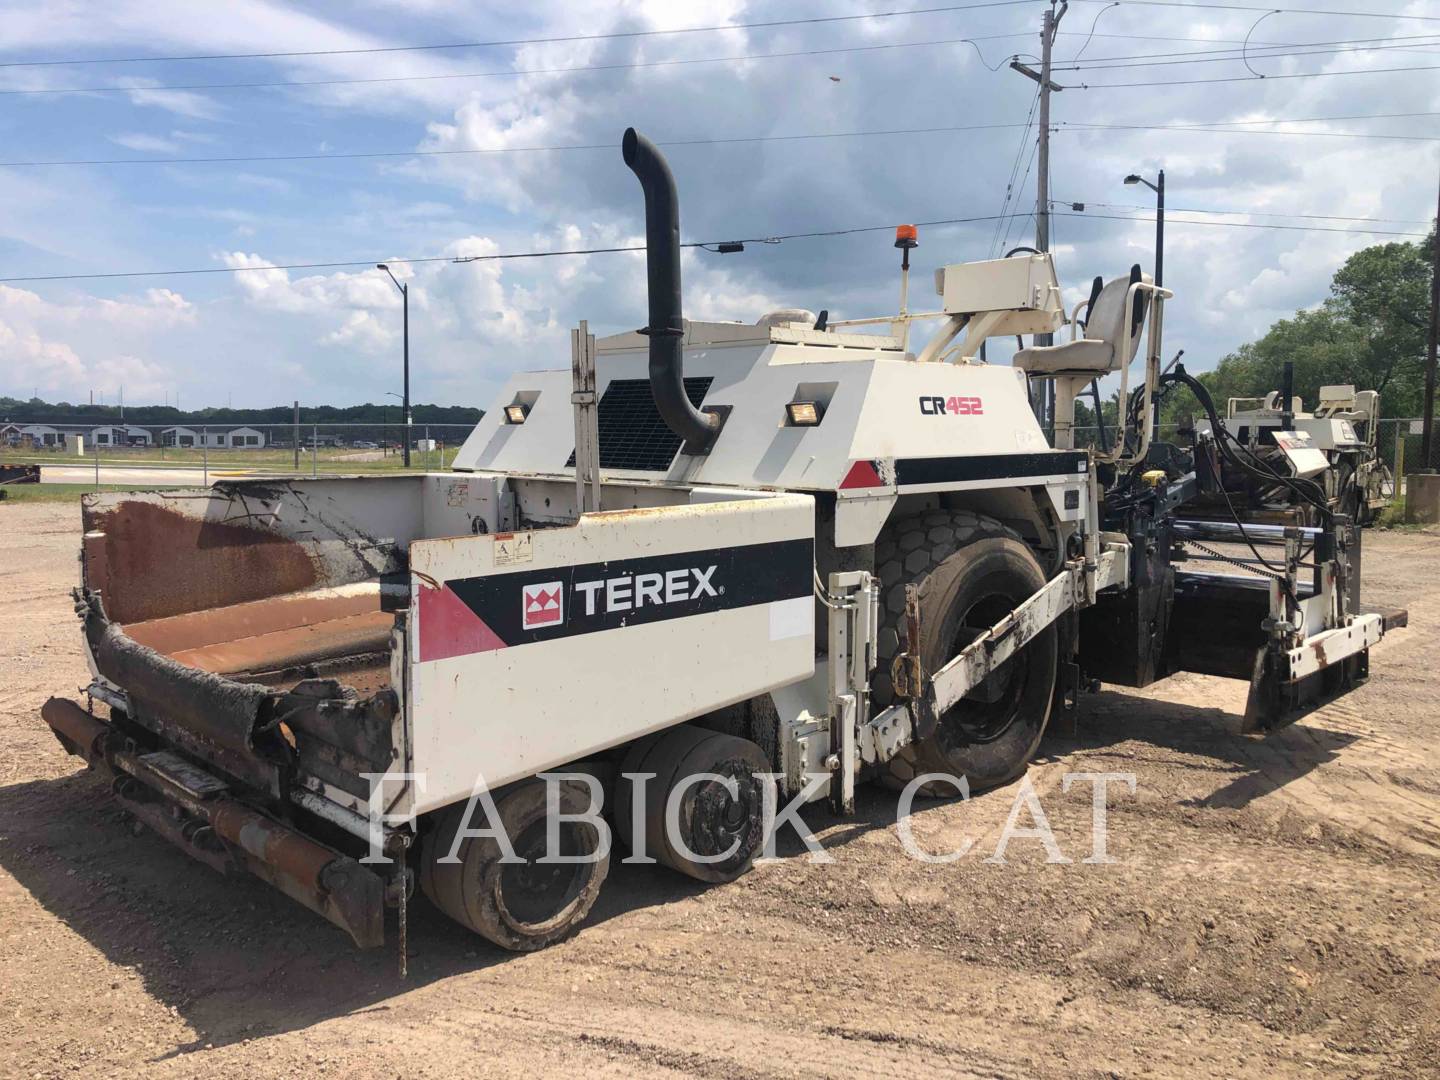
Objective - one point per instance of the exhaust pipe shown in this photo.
(662, 270)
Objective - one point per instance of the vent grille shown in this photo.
(632, 435)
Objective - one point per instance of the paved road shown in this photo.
(140, 476)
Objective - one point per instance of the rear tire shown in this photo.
(971, 571)
(519, 906)
(710, 821)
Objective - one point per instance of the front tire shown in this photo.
(971, 571)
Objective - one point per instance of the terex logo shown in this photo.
(951, 406)
(542, 605)
(628, 592)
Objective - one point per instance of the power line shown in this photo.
(1098, 64)
(1312, 119)
(1246, 78)
(1244, 225)
(1272, 10)
(615, 35)
(1216, 126)
(776, 238)
(504, 256)
(383, 79)
(1212, 129)
(1232, 56)
(1253, 48)
(1247, 213)
(995, 238)
(1019, 218)
(505, 149)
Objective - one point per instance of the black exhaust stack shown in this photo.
(667, 325)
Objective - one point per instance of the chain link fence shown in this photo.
(203, 452)
(310, 449)
(1398, 442)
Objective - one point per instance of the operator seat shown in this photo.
(1104, 324)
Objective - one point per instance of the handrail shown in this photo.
(1152, 370)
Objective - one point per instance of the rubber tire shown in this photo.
(471, 892)
(958, 557)
(684, 751)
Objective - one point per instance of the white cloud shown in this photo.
(471, 324)
(68, 348)
(152, 144)
(180, 102)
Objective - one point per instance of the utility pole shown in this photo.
(405, 404)
(1048, 31)
(1427, 438)
(297, 436)
(1042, 180)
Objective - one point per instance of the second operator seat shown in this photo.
(1098, 352)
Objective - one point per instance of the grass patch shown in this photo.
(55, 493)
(1393, 516)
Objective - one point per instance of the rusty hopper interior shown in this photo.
(253, 624)
(259, 623)
(252, 643)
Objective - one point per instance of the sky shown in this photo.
(333, 335)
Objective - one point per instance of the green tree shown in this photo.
(1370, 332)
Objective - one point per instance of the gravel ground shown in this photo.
(1272, 911)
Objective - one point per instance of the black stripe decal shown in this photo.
(955, 470)
(628, 592)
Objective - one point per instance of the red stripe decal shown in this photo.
(449, 628)
(862, 474)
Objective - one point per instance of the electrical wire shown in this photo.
(1199, 6)
(1247, 78)
(500, 257)
(1211, 129)
(1091, 36)
(770, 239)
(1018, 218)
(1417, 42)
(612, 36)
(1241, 213)
(1244, 225)
(1218, 126)
(1014, 171)
(1139, 62)
(233, 159)
(385, 79)
(1098, 64)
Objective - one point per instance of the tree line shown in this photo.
(1369, 332)
(63, 412)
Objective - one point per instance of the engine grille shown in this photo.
(632, 435)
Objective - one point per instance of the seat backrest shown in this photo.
(1105, 320)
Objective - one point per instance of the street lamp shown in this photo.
(1159, 189)
(405, 401)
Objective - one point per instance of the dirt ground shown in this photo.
(1273, 911)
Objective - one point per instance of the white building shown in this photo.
(247, 437)
(179, 436)
(109, 435)
(42, 435)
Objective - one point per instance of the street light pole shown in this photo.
(405, 304)
(1159, 189)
